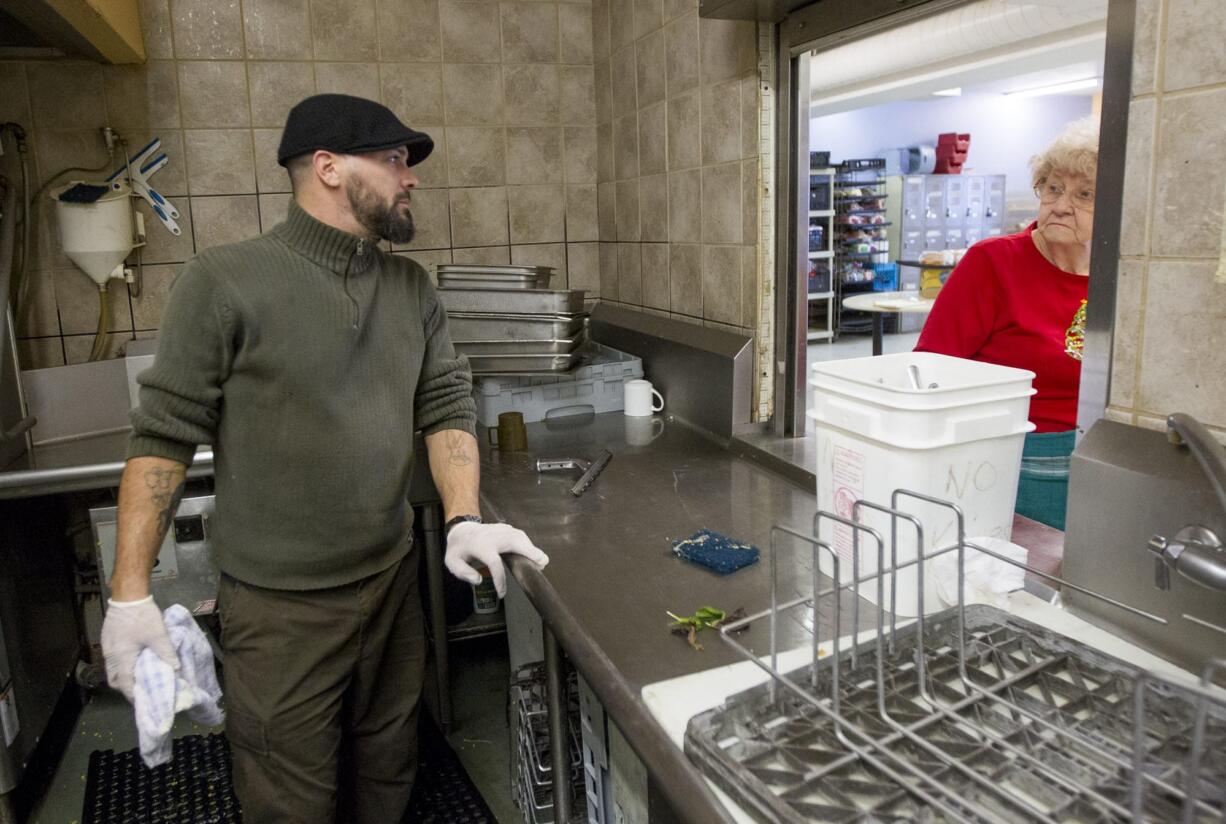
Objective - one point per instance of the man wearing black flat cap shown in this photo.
(308, 357)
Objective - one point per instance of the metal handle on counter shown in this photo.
(18, 429)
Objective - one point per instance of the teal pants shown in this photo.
(1042, 490)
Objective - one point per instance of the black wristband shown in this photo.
(460, 519)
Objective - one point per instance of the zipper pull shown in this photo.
(361, 246)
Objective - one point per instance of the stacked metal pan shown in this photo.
(507, 320)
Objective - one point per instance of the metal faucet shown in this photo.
(1196, 552)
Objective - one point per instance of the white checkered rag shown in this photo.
(159, 692)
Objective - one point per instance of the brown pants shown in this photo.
(321, 697)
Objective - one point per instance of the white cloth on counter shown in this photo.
(988, 580)
(160, 692)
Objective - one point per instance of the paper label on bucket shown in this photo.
(847, 476)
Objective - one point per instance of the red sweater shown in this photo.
(1005, 303)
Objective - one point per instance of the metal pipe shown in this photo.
(1210, 454)
(559, 732)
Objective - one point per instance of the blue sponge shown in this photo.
(714, 551)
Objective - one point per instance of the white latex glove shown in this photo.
(485, 543)
(130, 627)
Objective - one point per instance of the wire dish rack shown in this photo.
(970, 714)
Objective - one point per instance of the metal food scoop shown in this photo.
(590, 469)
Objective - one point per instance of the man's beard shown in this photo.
(384, 220)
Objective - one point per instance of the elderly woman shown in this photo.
(1019, 300)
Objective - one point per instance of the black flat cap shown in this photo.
(348, 125)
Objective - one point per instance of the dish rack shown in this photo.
(970, 714)
(532, 771)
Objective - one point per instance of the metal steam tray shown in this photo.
(788, 761)
(563, 346)
(462, 279)
(519, 364)
(478, 326)
(512, 301)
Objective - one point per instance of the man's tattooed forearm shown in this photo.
(166, 487)
(458, 450)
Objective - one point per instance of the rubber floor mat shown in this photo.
(443, 793)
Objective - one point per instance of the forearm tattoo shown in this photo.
(457, 450)
(166, 490)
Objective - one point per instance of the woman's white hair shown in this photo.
(1073, 152)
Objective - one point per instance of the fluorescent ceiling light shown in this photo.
(956, 91)
(1056, 88)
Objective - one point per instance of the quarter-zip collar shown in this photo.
(330, 247)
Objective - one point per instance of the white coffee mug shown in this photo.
(638, 398)
(643, 430)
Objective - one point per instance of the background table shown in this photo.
(871, 302)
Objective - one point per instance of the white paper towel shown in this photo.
(988, 580)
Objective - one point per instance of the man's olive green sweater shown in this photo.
(307, 357)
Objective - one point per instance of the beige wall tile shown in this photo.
(1184, 356)
(76, 298)
(575, 33)
(270, 176)
(656, 290)
(1129, 294)
(627, 210)
(160, 245)
(275, 89)
(207, 29)
(273, 209)
(471, 32)
(14, 95)
(482, 254)
(579, 154)
(1145, 46)
(626, 146)
(40, 353)
(534, 154)
(409, 30)
(37, 316)
(684, 141)
(475, 156)
(543, 254)
(603, 93)
(682, 56)
(142, 97)
(537, 214)
(749, 289)
(600, 30)
(78, 347)
(629, 274)
(721, 203)
(578, 95)
(606, 210)
(647, 17)
(721, 284)
(529, 32)
(76, 89)
(357, 79)
(147, 309)
(532, 93)
(582, 222)
(728, 46)
(277, 29)
(653, 139)
(685, 206)
(653, 208)
(155, 29)
(685, 278)
(431, 220)
(432, 172)
(221, 220)
(1188, 197)
(624, 78)
(1119, 415)
(1134, 219)
(213, 94)
(219, 161)
(750, 200)
(721, 122)
(676, 8)
(472, 94)
(749, 116)
(608, 271)
(479, 217)
(1195, 32)
(621, 24)
(583, 267)
(649, 65)
(428, 259)
(344, 30)
(414, 91)
(605, 166)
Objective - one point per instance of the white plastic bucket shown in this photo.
(960, 441)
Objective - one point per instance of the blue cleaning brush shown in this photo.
(83, 193)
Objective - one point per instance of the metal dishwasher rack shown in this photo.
(971, 714)
(532, 773)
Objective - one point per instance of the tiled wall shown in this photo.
(507, 90)
(677, 161)
(1170, 319)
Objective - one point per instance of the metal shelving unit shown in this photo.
(821, 261)
(859, 195)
